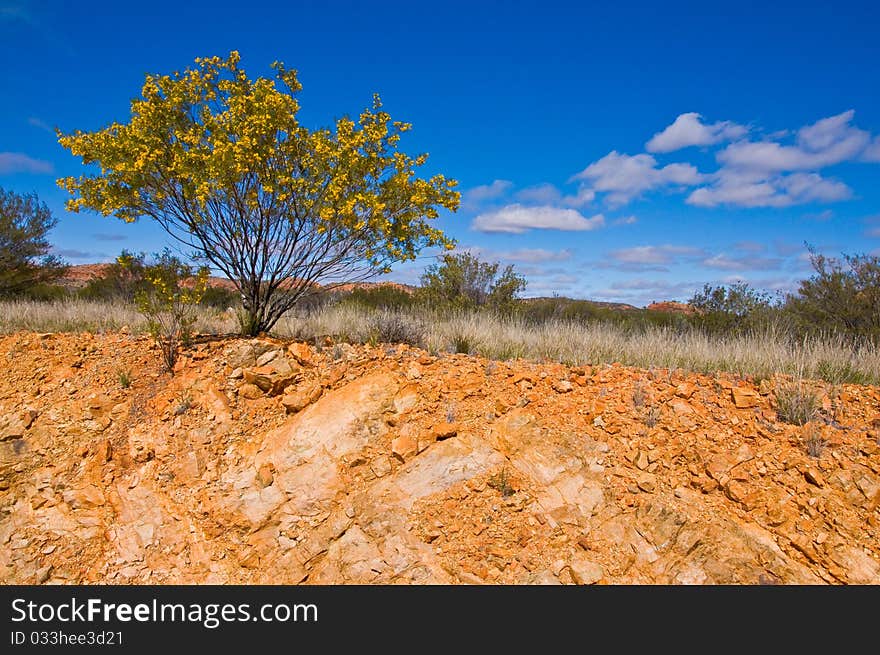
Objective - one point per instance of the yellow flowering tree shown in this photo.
(222, 163)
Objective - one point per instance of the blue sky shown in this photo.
(618, 151)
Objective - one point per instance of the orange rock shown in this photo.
(404, 447)
(744, 398)
(444, 430)
(685, 390)
(250, 391)
(302, 354)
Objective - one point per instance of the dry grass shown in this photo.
(94, 316)
(796, 404)
(760, 355)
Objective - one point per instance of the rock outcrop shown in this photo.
(269, 462)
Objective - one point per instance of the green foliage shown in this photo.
(732, 309)
(124, 377)
(461, 281)
(168, 301)
(538, 311)
(380, 296)
(219, 297)
(25, 261)
(843, 297)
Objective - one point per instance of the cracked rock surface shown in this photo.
(269, 461)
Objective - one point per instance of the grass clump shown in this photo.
(124, 377)
(796, 404)
(814, 442)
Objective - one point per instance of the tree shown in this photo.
(222, 163)
(842, 296)
(732, 308)
(24, 259)
(463, 281)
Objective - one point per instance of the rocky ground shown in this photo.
(275, 462)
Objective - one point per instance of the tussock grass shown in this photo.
(760, 354)
(796, 404)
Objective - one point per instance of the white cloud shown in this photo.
(582, 198)
(17, 162)
(625, 220)
(484, 192)
(544, 194)
(535, 255)
(653, 254)
(824, 143)
(547, 194)
(724, 262)
(627, 176)
(689, 130)
(872, 152)
(516, 219)
(752, 189)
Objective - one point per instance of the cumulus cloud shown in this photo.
(752, 263)
(516, 219)
(484, 192)
(544, 194)
(625, 177)
(625, 220)
(750, 189)
(689, 130)
(872, 152)
(824, 143)
(17, 162)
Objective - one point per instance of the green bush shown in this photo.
(380, 296)
(842, 297)
(25, 261)
(463, 282)
(172, 291)
(733, 309)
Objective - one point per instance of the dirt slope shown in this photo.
(271, 462)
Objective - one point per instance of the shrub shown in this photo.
(380, 296)
(732, 309)
(24, 249)
(168, 302)
(843, 296)
(462, 281)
